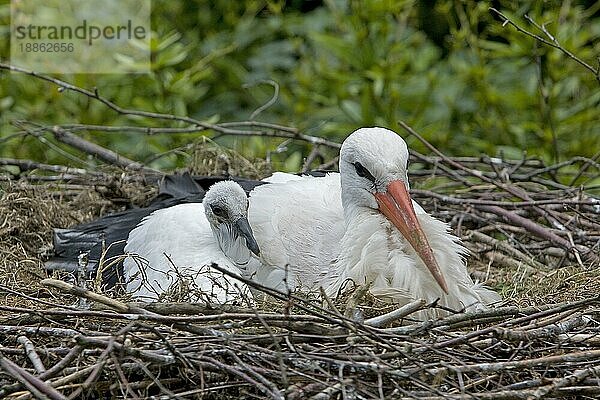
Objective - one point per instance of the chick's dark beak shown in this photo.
(244, 230)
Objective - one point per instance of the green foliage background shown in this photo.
(448, 68)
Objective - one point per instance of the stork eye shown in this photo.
(363, 172)
(218, 211)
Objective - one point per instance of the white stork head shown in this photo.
(373, 171)
(226, 209)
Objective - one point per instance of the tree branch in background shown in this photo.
(224, 129)
(553, 42)
(270, 102)
(92, 148)
(28, 165)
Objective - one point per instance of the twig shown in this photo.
(39, 388)
(533, 227)
(572, 379)
(552, 43)
(540, 333)
(508, 204)
(504, 246)
(522, 364)
(32, 354)
(72, 289)
(97, 150)
(29, 165)
(169, 117)
(270, 102)
(394, 315)
(48, 374)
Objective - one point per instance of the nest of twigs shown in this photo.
(533, 233)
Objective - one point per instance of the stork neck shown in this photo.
(364, 248)
(231, 244)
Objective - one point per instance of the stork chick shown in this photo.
(185, 240)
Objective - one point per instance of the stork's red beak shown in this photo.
(397, 206)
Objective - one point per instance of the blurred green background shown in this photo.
(448, 68)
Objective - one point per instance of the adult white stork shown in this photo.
(184, 240)
(361, 224)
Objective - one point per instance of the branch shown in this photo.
(33, 356)
(92, 148)
(521, 364)
(200, 126)
(36, 386)
(552, 43)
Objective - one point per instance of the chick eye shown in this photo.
(218, 211)
(363, 172)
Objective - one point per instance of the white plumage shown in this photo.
(177, 245)
(361, 225)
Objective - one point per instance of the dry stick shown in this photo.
(437, 164)
(166, 319)
(584, 168)
(587, 162)
(329, 164)
(583, 339)
(157, 381)
(504, 246)
(36, 386)
(169, 117)
(554, 319)
(148, 355)
(399, 313)
(535, 228)
(306, 305)
(279, 131)
(554, 43)
(583, 356)
(256, 373)
(513, 204)
(122, 378)
(38, 330)
(502, 260)
(269, 102)
(278, 352)
(259, 124)
(351, 307)
(37, 133)
(508, 394)
(550, 311)
(125, 308)
(28, 165)
(192, 308)
(540, 333)
(77, 374)
(237, 372)
(310, 328)
(303, 304)
(50, 373)
(92, 148)
(314, 153)
(77, 291)
(478, 174)
(32, 354)
(330, 391)
(16, 293)
(179, 355)
(477, 317)
(94, 375)
(63, 363)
